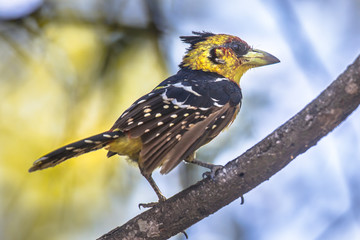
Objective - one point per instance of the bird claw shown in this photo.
(242, 200)
(212, 173)
(152, 204)
(147, 205)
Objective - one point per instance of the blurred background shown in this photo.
(69, 68)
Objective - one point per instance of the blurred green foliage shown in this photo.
(63, 78)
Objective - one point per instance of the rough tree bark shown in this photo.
(253, 167)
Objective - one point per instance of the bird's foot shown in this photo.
(213, 170)
(152, 204)
(147, 205)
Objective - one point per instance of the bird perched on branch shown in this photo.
(181, 114)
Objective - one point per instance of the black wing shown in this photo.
(179, 116)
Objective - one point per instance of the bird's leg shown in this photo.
(161, 197)
(213, 168)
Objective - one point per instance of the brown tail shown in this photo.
(75, 149)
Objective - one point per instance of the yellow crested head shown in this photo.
(224, 54)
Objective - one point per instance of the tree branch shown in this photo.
(253, 167)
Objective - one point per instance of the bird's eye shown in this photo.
(239, 48)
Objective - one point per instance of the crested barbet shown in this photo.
(181, 114)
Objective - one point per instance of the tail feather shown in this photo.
(75, 149)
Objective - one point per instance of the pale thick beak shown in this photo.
(257, 58)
